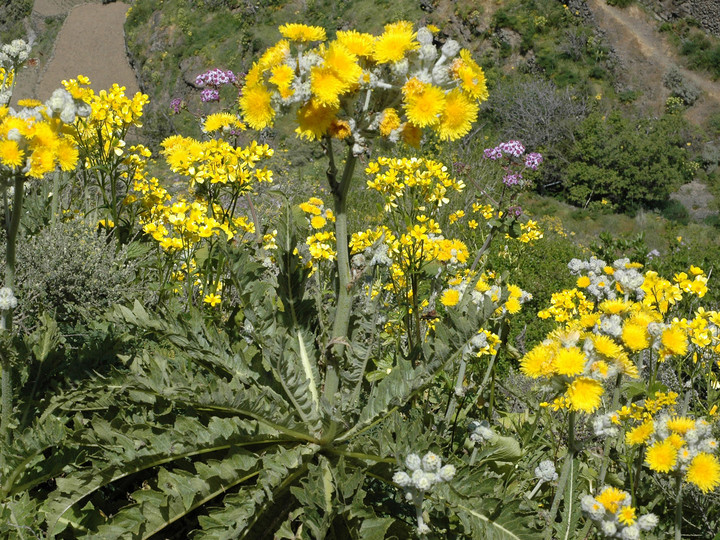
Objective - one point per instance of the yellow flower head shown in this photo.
(680, 424)
(626, 515)
(661, 456)
(570, 361)
(674, 340)
(584, 394)
(457, 116)
(611, 498)
(640, 434)
(256, 108)
(357, 43)
(395, 42)
(704, 472)
(302, 32)
(424, 108)
(450, 297)
(314, 120)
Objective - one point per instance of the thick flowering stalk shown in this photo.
(355, 88)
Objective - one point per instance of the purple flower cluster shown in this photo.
(212, 80)
(215, 77)
(210, 94)
(512, 179)
(493, 153)
(176, 104)
(514, 148)
(533, 160)
(515, 211)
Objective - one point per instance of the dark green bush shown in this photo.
(631, 162)
(674, 210)
(620, 3)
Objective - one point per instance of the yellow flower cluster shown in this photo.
(428, 180)
(613, 512)
(359, 72)
(113, 114)
(566, 305)
(34, 142)
(321, 243)
(217, 162)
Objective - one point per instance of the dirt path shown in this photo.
(646, 57)
(91, 42)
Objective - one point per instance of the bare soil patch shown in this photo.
(646, 55)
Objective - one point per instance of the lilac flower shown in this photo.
(512, 179)
(533, 160)
(493, 153)
(515, 211)
(514, 148)
(210, 94)
(176, 104)
(215, 77)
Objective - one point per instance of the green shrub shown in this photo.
(620, 3)
(631, 162)
(674, 210)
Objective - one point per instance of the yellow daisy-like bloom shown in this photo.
(661, 456)
(676, 441)
(274, 56)
(314, 119)
(704, 472)
(282, 77)
(681, 424)
(470, 75)
(674, 340)
(343, 63)
(635, 337)
(626, 515)
(457, 117)
(570, 361)
(538, 362)
(611, 498)
(583, 281)
(606, 346)
(212, 299)
(326, 86)
(584, 394)
(358, 43)
(302, 32)
(256, 108)
(450, 297)
(10, 154)
(392, 45)
(425, 107)
(67, 154)
(221, 120)
(318, 222)
(513, 305)
(640, 434)
(614, 307)
(340, 129)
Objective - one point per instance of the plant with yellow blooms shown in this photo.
(352, 89)
(34, 142)
(107, 166)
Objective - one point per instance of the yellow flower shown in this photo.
(10, 154)
(212, 299)
(570, 361)
(67, 154)
(626, 515)
(611, 498)
(282, 77)
(635, 336)
(681, 424)
(512, 305)
(470, 75)
(314, 119)
(302, 32)
(606, 346)
(423, 108)
(221, 120)
(674, 340)
(457, 116)
(318, 222)
(256, 108)
(661, 456)
(326, 86)
(640, 434)
(358, 43)
(392, 45)
(704, 472)
(390, 122)
(538, 362)
(583, 281)
(584, 394)
(450, 297)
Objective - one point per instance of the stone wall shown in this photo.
(706, 12)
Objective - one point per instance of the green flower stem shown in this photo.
(678, 508)
(7, 315)
(343, 307)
